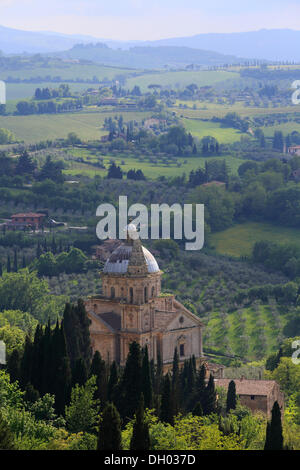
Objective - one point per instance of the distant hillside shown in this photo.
(276, 44)
(146, 57)
(14, 41)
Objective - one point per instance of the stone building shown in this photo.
(133, 308)
(258, 395)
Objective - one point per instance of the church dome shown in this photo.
(118, 261)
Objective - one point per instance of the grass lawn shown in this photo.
(239, 240)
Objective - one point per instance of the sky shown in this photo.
(148, 19)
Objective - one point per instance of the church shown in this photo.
(133, 308)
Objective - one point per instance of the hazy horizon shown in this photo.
(129, 20)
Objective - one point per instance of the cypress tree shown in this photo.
(110, 437)
(6, 436)
(158, 375)
(166, 409)
(38, 250)
(46, 352)
(131, 385)
(146, 380)
(15, 266)
(152, 373)
(140, 437)
(53, 246)
(8, 265)
(31, 394)
(62, 377)
(85, 343)
(175, 382)
(37, 363)
(13, 365)
(79, 375)
(197, 411)
(1, 269)
(26, 363)
(274, 436)
(76, 327)
(98, 369)
(23, 262)
(112, 382)
(63, 384)
(231, 397)
(200, 383)
(72, 339)
(209, 401)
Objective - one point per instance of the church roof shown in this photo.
(127, 255)
(112, 319)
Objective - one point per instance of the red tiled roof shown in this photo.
(217, 183)
(248, 387)
(29, 214)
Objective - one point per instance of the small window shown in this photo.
(112, 293)
(131, 295)
(252, 397)
(181, 350)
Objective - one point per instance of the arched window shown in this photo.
(112, 293)
(146, 294)
(181, 350)
(152, 291)
(131, 295)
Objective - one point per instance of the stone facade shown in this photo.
(132, 308)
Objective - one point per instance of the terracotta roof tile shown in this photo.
(248, 387)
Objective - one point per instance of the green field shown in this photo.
(66, 71)
(207, 110)
(180, 79)
(87, 125)
(201, 129)
(174, 167)
(19, 91)
(239, 240)
(286, 128)
(251, 316)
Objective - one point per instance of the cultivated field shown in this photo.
(87, 125)
(171, 167)
(200, 129)
(180, 79)
(239, 240)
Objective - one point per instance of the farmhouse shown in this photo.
(31, 220)
(258, 395)
(295, 150)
